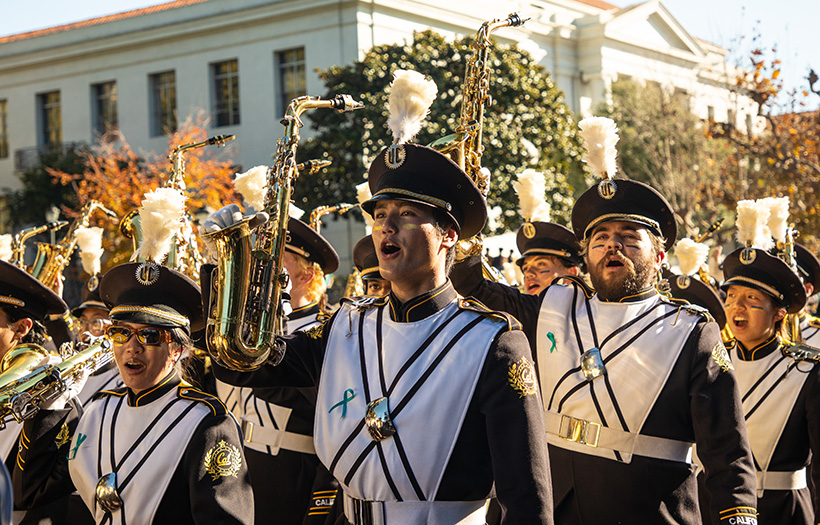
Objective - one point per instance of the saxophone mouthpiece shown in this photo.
(516, 20)
(313, 165)
(220, 140)
(345, 103)
(110, 213)
(55, 225)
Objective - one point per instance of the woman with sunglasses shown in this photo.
(157, 450)
(780, 391)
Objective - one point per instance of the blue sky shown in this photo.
(788, 24)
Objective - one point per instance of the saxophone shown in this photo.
(248, 282)
(18, 242)
(51, 260)
(785, 250)
(184, 256)
(316, 215)
(26, 383)
(464, 147)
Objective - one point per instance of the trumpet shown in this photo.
(244, 312)
(26, 383)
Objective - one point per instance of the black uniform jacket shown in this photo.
(699, 403)
(799, 442)
(42, 472)
(501, 439)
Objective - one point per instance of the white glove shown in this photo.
(75, 386)
(226, 217)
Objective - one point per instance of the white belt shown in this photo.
(276, 439)
(367, 512)
(592, 434)
(770, 480)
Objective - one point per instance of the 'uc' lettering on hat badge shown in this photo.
(607, 188)
(748, 256)
(394, 156)
(529, 230)
(147, 273)
(683, 281)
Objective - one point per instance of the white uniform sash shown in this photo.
(449, 347)
(160, 432)
(769, 394)
(810, 332)
(108, 380)
(640, 343)
(10, 439)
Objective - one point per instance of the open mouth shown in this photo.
(134, 366)
(614, 263)
(389, 248)
(531, 287)
(740, 321)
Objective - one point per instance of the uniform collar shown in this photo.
(640, 296)
(304, 311)
(170, 382)
(758, 352)
(422, 306)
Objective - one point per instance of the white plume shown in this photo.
(411, 95)
(691, 255)
(161, 218)
(752, 227)
(251, 185)
(778, 216)
(5, 247)
(530, 187)
(295, 212)
(510, 274)
(89, 241)
(600, 135)
(363, 194)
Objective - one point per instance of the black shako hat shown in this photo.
(758, 269)
(413, 173)
(695, 291)
(170, 300)
(365, 258)
(547, 238)
(305, 241)
(91, 297)
(808, 266)
(624, 200)
(21, 290)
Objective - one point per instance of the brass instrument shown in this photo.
(243, 313)
(184, 256)
(312, 166)
(355, 285)
(785, 250)
(18, 242)
(51, 260)
(26, 383)
(316, 215)
(703, 273)
(464, 147)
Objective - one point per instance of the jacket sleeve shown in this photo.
(220, 495)
(469, 281)
(720, 429)
(813, 422)
(511, 403)
(41, 467)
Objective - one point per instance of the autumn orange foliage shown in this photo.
(118, 177)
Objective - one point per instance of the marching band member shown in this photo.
(25, 303)
(629, 381)
(549, 251)
(366, 261)
(809, 268)
(156, 450)
(781, 392)
(426, 401)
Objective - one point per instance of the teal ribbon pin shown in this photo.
(551, 337)
(348, 397)
(73, 452)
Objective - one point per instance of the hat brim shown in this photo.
(305, 241)
(766, 273)
(21, 290)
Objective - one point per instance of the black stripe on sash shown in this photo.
(100, 441)
(762, 377)
(387, 476)
(763, 398)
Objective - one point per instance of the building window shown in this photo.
(731, 118)
(4, 132)
(163, 103)
(105, 109)
(710, 112)
(50, 119)
(749, 124)
(292, 81)
(226, 92)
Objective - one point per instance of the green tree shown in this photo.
(665, 145)
(528, 125)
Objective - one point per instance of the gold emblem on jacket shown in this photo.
(223, 459)
(721, 357)
(63, 436)
(522, 377)
(316, 331)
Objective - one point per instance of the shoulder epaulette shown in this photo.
(474, 305)
(119, 392)
(800, 352)
(191, 393)
(814, 321)
(365, 302)
(689, 308)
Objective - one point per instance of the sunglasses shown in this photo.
(149, 336)
(95, 326)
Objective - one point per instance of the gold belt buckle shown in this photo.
(579, 431)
